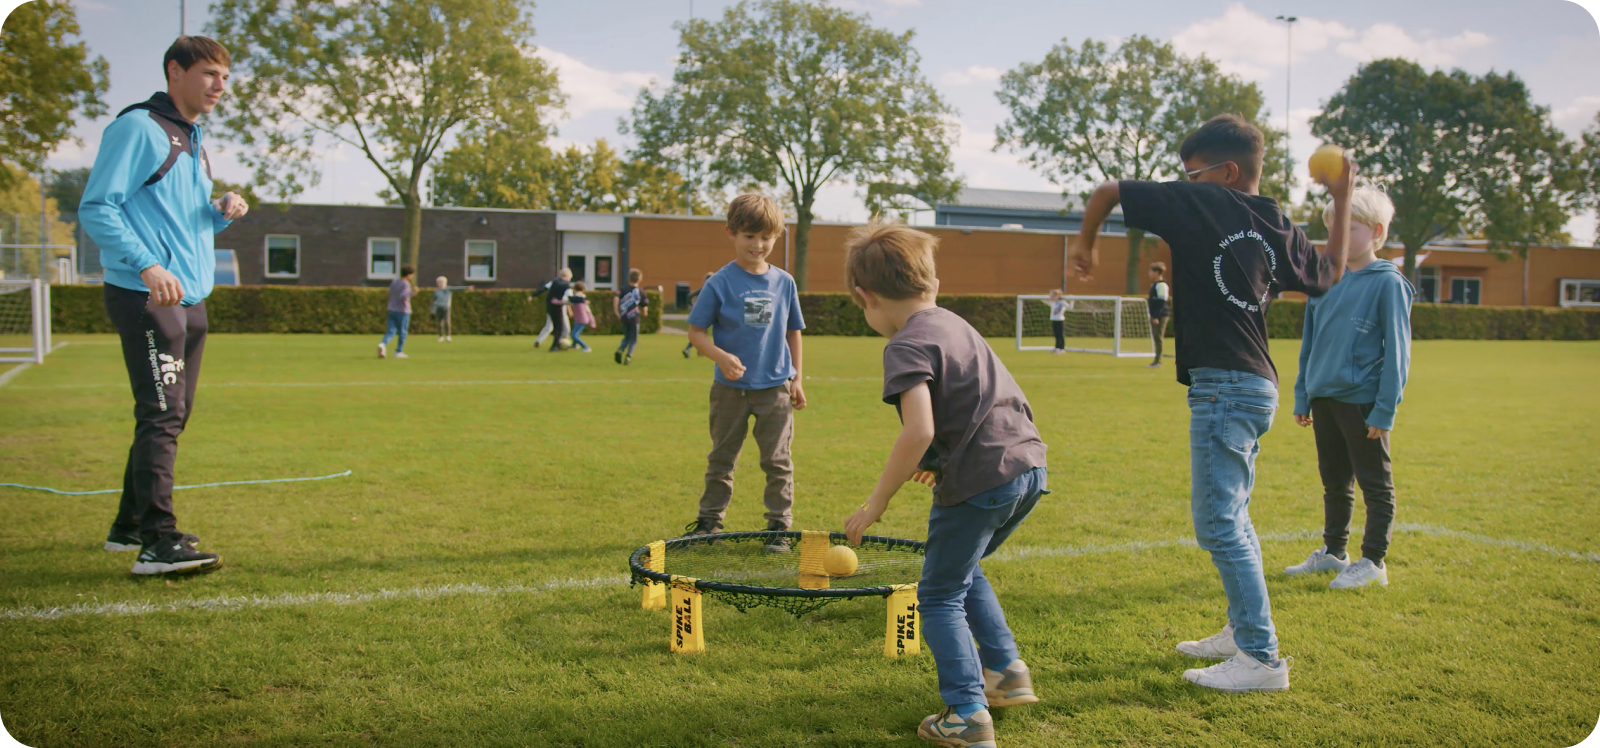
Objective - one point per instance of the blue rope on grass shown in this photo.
(175, 488)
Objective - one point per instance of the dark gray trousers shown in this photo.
(1344, 453)
(162, 347)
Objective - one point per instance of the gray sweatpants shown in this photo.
(731, 409)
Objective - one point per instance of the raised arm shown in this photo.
(1338, 247)
(916, 433)
(1083, 255)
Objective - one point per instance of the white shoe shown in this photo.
(401, 355)
(1218, 646)
(441, 338)
(1360, 574)
(1319, 560)
(381, 352)
(1010, 687)
(447, 339)
(1241, 674)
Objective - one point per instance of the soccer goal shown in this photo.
(24, 321)
(1092, 324)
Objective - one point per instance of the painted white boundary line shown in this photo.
(451, 590)
(24, 366)
(480, 382)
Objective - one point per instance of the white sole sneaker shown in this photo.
(1241, 674)
(1218, 646)
(144, 568)
(381, 352)
(1362, 573)
(119, 547)
(1318, 561)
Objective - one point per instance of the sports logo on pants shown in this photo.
(164, 369)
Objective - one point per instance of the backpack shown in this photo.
(631, 301)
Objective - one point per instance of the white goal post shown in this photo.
(1117, 325)
(24, 321)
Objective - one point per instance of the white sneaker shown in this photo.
(1360, 574)
(441, 338)
(1241, 674)
(401, 355)
(447, 339)
(1010, 687)
(381, 352)
(1319, 560)
(1218, 646)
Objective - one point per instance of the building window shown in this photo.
(383, 258)
(283, 256)
(1465, 290)
(1428, 284)
(227, 272)
(480, 260)
(1576, 292)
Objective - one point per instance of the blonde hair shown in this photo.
(564, 273)
(1370, 207)
(892, 260)
(755, 213)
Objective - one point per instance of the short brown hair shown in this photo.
(1158, 267)
(1227, 137)
(889, 259)
(579, 286)
(755, 213)
(635, 275)
(188, 50)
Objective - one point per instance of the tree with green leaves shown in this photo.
(796, 94)
(1458, 154)
(502, 169)
(392, 78)
(66, 187)
(1091, 114)
(44, 82)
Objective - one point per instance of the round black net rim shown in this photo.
(642, 574)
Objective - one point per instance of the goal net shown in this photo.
(1090, 324)
(24, 321)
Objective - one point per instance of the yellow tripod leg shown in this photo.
(686, 634)
(655, 593)
(902, 636)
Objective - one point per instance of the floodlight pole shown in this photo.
(183, 17)
(1288, 74)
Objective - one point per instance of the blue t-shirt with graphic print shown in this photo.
(750, 316)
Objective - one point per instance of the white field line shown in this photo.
(24, 366)
(451, 590)
(498, 382)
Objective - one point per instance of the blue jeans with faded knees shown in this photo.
(955, 598)
(398, 323)
(1229, 411)
(577, 336)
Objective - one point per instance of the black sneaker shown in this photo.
(128, 540)
(174, 555)
(776, 543)
(617, 357)
(686, 352)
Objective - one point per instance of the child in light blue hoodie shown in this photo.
(1354, 354)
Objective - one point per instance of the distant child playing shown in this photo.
(753, 309)
(1232, 249)
(400, 293)
(555, 308)
(692, 296)
(1058, 319)
(581, 315)
(1160, 293)
(1355, 352)
(954, 395)
(441, 305)
(630, 307)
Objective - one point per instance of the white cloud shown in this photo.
(1388, 40)
(589, 88)
(972, 74)
(1577, 116)
(1252, 45)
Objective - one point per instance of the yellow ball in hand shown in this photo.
(1327, 164)
(839, 561)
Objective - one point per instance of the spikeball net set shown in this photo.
(738, 568)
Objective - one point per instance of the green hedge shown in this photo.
(352, 310)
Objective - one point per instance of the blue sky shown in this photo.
(606, 50)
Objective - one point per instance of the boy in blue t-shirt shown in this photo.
(753, 311)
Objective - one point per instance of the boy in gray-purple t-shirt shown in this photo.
(400, 293)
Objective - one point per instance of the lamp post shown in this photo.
(183, 17)
(1288, 70)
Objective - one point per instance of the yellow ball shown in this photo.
(839, 561)
(1327, 164)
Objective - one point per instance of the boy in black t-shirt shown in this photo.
(1232, 250)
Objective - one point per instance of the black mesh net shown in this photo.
(742, 568)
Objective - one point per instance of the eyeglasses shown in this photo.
(1190, 175)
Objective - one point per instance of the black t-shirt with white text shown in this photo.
(1231, 253)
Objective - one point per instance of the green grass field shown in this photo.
(465, 585)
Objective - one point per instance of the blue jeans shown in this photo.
(577, 336)
(1228, 413)
(956, 601)
(398, 322)
(630, 336)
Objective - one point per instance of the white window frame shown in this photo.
(377, 276)
(1576, 283)
(494, 260)
(1435, 275)
(1474, 279)
(266, 256)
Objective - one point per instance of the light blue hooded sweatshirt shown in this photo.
(1356, 346)
(140, 219)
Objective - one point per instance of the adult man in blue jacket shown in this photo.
(148, 205)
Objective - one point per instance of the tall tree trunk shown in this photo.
(413, 231)
(802, 237)
(1410, 266)
(1135, 243)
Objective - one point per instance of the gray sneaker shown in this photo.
(948, 729)
(776, 543)
(1010, 687)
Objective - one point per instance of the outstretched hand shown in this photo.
(857, 523)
